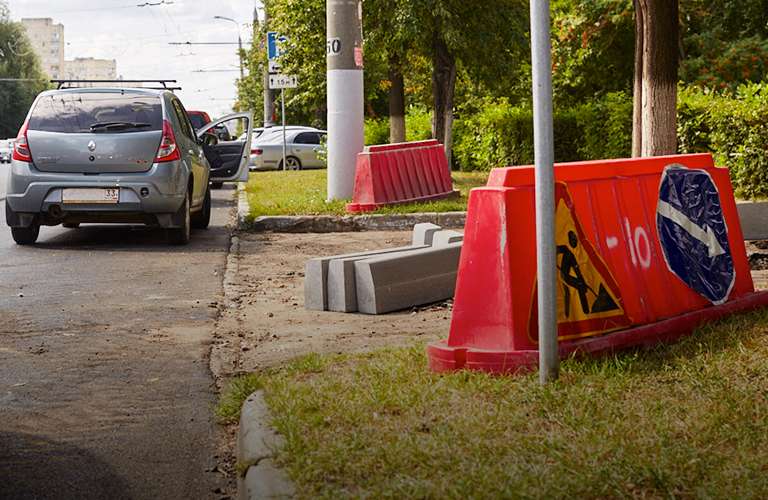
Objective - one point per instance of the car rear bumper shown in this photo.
(161, 190)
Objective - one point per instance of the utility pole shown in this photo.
(345, 94)
(269, 94)
(544, 157)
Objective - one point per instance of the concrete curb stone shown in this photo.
(256, 444)
(340, 223)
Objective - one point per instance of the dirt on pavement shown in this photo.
(264, 323)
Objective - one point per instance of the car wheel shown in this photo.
(180, 235)
(70, 225)
(291, 163)
(25, 235)
(202, 218)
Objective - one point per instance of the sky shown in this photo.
(162, 39)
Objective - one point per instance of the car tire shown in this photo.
(180, 235)
(202, 218)
(26, 235)
(70, 225)
(291, 163)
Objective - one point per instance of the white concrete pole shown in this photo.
(544, 155)
(345, 95)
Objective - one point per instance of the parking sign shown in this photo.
(275, 47)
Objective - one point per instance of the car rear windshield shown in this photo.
(198, 120)
(94, 112)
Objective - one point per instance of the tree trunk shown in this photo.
(443, 85)
(637, 86)
(659, 93)
(396, 101)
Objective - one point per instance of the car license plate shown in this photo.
(90, 195)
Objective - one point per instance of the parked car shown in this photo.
(303, 149)
(6, 149)
(116, 155)
(199, 118)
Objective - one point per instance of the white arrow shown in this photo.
(705, 235)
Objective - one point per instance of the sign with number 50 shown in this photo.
(334, 46)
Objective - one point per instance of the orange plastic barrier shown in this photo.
(646, 249)
(396, 174)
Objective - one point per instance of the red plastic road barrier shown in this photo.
(396, 174)
(646, 249)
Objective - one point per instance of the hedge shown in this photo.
(732, 127)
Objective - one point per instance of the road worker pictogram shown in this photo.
(588, 297)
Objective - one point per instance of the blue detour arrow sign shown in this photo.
(693, 233)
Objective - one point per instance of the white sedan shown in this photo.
(304, 148)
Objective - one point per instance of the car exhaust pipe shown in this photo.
(55, 211)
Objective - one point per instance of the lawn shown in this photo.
(687, 420)
(304, 192)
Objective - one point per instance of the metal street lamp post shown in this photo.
(239, 42)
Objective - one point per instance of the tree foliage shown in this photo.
(17, 62)
(593, 44)
(494, 32)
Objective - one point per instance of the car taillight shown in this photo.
(167, 150)
(21, 145)
(256, 151)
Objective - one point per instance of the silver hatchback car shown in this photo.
(117, 155)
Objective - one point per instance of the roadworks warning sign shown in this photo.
(588, 297)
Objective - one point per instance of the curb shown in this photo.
(256, 444)
(340, 223)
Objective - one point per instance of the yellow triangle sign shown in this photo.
(588, 297)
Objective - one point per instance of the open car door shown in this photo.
(227, 154)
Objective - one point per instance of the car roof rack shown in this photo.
(62, 83)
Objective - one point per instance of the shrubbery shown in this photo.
(732, 127)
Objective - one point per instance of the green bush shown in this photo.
(502, 135)
(418, 125)
(734, 128)
(606, 127)
(376, 131)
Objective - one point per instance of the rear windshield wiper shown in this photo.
(107, 126)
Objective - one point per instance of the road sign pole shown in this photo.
(544, 157)
(345, 95)
(282, 99)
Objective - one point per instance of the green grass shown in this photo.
(304, 192)
(688, 420)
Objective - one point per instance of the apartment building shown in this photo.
(88, 68)
(48, 42)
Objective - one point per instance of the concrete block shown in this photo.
(316, 276)
(753, 217)
(406, 279)
(341, 283)
(424, 232)
(316, 284)
(443, 238)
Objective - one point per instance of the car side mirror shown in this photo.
(209, 139)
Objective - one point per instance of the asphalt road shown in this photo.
(105, 388)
